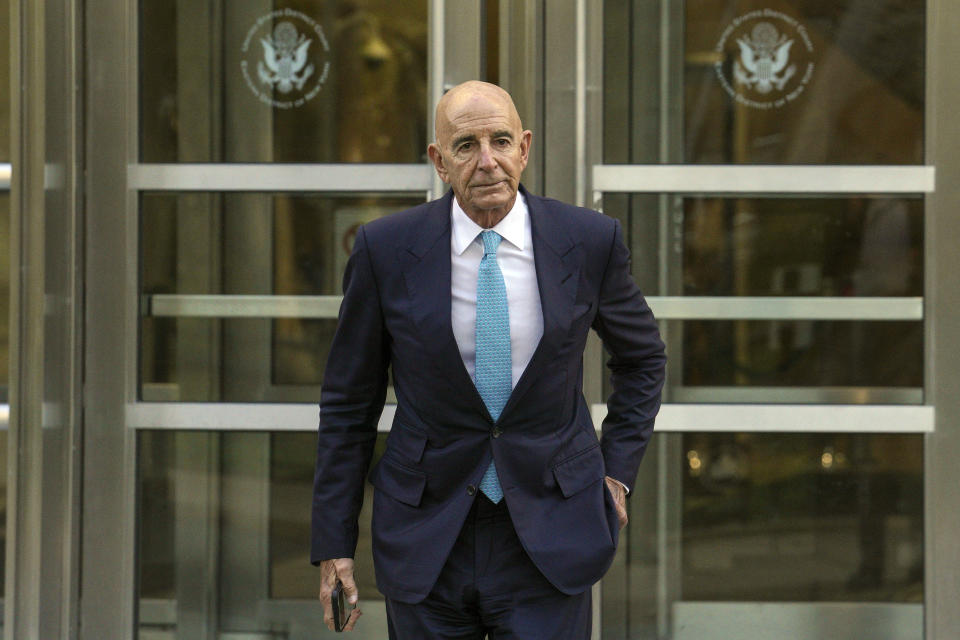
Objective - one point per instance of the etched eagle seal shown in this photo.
(284, 63)
(764, 56)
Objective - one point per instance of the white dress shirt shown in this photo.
(515, 257)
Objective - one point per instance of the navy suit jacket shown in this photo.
(396, 314)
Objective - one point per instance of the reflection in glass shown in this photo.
(838, 247)
(802, 517)
(853, 246)
(6, 102)
(749, 517)
(4, 294)
(252, 244)
(234, 359)
(804, 82)
(305, 81)
(242, 498)
(803, 246)
(801, 353)
(291, 490)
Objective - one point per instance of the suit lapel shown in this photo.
(425, 262)
(558, 273)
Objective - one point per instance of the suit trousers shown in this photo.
(489, 588)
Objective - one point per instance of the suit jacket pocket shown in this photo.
(579, 471)
(407, 442)
(399, 482)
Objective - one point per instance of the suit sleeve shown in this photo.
(637, 365)
(351, 401)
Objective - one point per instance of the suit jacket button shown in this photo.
(471, 490)
(497, 432)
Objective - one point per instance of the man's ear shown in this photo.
(525, 139)
(433, 150)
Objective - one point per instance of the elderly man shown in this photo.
(495, 506)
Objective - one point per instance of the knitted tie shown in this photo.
(494, 370)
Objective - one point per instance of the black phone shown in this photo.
(340, 613)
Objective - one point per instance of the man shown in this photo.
(495, 506)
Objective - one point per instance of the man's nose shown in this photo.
(486, 161)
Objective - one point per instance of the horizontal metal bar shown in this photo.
(825, 179)
(233, 416)
(673, 417)
(798, 620)
(280, 177)
(785, 308)
(797, 395)
(665, 308)
(6, 172)
(227, 306)
(789, 418)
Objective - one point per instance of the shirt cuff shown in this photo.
(625, 487)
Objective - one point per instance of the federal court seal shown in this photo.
(284, 58)
(772, 59)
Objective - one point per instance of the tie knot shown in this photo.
(491, 240)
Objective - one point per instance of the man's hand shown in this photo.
(619, 499)
(330, 570)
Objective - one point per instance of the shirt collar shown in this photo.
(512, 228)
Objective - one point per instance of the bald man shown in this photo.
(495, 505)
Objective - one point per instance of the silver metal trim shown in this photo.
(797, 395)
(798, 620)
(580, 105)
(436, 69)
(941, 232)
(823, 179)
(664, 307)
(228, 306)
(233, 416)
(770, 418)
(6, 173)
(787, 418)
(785, 308)
(280, 177)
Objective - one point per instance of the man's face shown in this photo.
(481, 151)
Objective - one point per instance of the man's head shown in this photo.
(481, 149)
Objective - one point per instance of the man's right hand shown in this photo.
(330, 570)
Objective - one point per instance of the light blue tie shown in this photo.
(494, 370)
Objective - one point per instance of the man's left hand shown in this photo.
(619, 499)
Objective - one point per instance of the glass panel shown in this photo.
(242, 498)
(291, 492)
(763, 82)
(5, 103)
(799, 353)
(785, 246)
(4, 295)
(264, 244)
(744, 517)
(308, 81)
(838, 247)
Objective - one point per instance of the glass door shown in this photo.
(780, 236)
(268, 133)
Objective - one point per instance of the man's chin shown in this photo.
(493, 198)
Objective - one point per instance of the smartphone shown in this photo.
(340, 613)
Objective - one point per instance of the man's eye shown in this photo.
(465, 147)
(503, 142)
